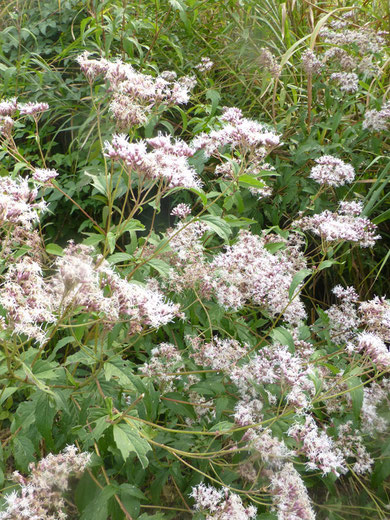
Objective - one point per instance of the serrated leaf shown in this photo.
(356, 394)
(284, 337)
(23, 451)
(129, 441)
(44, 416)
(162, 267)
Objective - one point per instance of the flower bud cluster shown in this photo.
(310, 63)
(205, 64)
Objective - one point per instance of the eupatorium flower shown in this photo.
(24, 295)
(290, 496)
(134, 93)
(167, 160)
(377, 120)
(40, 496)
(318, 447)
(310, 63)
(332, 171)
(238, 132)
(375, 348)
(343, 225)
(205, 64)
(220, 504)
(17, 202)
(31, 109)
(347, 81)
(165, 360)
(44, 175)
(247, 271)
(219, 354)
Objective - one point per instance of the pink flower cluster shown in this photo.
(8, 107)
(290, 496)
(40, 496)
(248, 272)
(343, 225)
(274, 364)
(17, 202)
(220, 504)
(318, 447)
(219, 354)
(134, 93)
(166, 161)
(205, 64)
(377, 120)
(237, 132)
(332, 171)
(310, 63)
(347, 81)
(165, 360)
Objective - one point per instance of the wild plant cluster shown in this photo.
(193, 312)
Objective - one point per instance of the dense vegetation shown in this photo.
(194, 260)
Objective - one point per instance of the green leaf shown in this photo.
(215, 97)
(129, 441)
(162, 267)
(23, 451)
(44, 416)
(297, 279)
(356, 394)
(249, 180)
(218, 225)
(6, 392)
(97, 509)
(119, 258)
(283, 336)
(54, 249)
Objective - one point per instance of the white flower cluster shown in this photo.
(79, 282)
(318, 447)
(377, 120)
(165, 360)
(219, 354)
(248, 272)
(332, 171)
(291, 499)
(220, 504)
(134, 93)
(17, 202)
(205, 64)
(40, 495)
(310, 63)
(237, 132)
(167, 160)
(340, 226)
(347, 81)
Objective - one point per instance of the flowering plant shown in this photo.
(183, 362)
